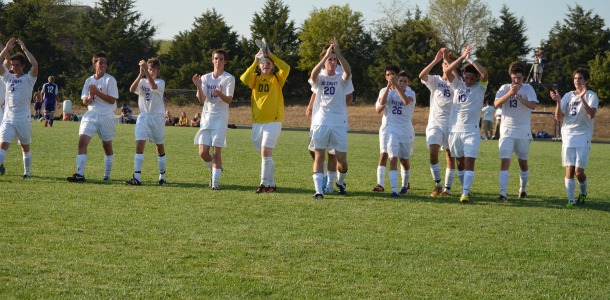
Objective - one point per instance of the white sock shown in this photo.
(461, 177)
(503, 182)
(2, 155)
(108, 161)
(27, 163)
(583, 186)
(162, 164)
(266, 164)
(394, 180)
(81, 161)
(209, 164)
(325, 170)
(570, 188)
(330, 184)
(216, 176)
(381, 175)
(341, 177)
(406, 174)
(468, 179)
(436, 173)
(449, 175)
(138, 159)
(318, 178)
(523, 176)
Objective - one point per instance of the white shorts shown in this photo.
(265, 135)
(399, 146)
(151, 128)
(21, 131)
(508, 145)
(464, 144)
(212, 137)
(575, 156)
(329, 137)
(383, 142)
(93, 123)
(437, 136)
(311, 148)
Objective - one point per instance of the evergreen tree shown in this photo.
(410, 45)
(356, 43)
(506, 43)
(575, 44)
(114, 27)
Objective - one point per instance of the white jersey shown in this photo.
(397, 116)
(151, 101)
(215, 112)
(577, 127)
(467, 105)
(107, 85)
(329, 107)
(441, 100)
(488, 113)
(516, 117)
(17, 97)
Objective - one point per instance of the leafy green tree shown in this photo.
(575, 43)
(600, 76)
(410, 45)
(274, 25)
(356, 43)
(191, 51)
(506, 43)
(114, 27)
(461, 22)
(36, 23)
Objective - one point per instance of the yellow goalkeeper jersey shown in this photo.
(267, 97)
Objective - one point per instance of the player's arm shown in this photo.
(229, 85)
(134, 85)
(482, 70)
(200, 94)
(282, 66)
(590, 111)
(318, 68)
(30, 57)
(347, 70)
(309, 109)
(423, 75)
(383, 98)
(93, 91)
(9, 45)
(449, 72)
(151, 81)
(502, 99)
(557, 98)
(249, 76)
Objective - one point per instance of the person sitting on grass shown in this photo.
(196, 121)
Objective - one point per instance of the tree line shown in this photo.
(63, 36)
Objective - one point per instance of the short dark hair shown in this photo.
(223, 52)
(582, 71)
(19, 57)
(99, 55)
(394, 68)
(469, 68)
(154, 62)
(516, 68)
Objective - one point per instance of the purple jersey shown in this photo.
(49, 91)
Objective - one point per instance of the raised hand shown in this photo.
(197, 80)
(555, 96)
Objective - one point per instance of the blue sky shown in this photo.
(174, 16)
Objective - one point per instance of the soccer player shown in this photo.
(465, 137)
(396, 102)
(576, 109)
(329, 117)
(4, 63)
(215, 92)
(17, 121)
(437, 130)
(49, 94)
(488, 112)
(99, 93)
(517, 100)
(151, 120)
(267, 111)
(330, 169)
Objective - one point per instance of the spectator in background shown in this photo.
(37, 97)
(183, 121)
(169, 120)
(196, 121)
(126, 114)
(488, 120)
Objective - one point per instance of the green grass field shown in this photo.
(63, 240)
